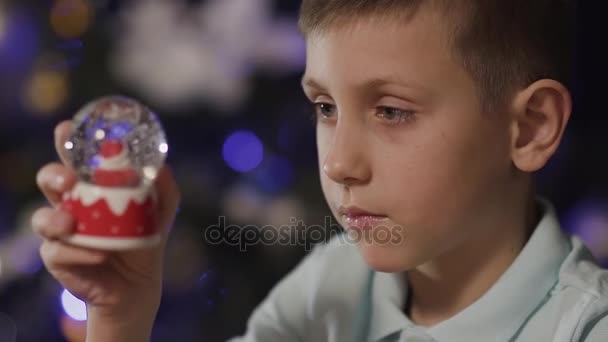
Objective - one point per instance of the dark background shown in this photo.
(209, 69)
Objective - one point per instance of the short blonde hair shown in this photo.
(505, 45)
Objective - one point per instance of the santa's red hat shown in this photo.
(114, 167)
(111, 148)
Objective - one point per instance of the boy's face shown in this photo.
(402, 135)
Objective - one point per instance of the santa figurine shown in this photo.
(114, 166)
(115, 211)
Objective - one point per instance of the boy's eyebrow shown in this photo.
(368, 84)
(310, 83)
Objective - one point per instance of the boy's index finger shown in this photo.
(62, 133)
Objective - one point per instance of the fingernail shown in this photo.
(39, 220)
(58, 182)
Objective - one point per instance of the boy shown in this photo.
(432, 117)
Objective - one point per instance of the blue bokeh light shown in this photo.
(119, 130)
(243, 151)
(589, 221)
(20, 42)
(73, 307)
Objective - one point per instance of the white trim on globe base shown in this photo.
(113, 243)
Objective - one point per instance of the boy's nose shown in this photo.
(345, 161)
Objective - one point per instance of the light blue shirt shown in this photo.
(553, 291)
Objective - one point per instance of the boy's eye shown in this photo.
(324, 110)
(394, 116)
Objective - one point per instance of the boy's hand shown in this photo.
(118, 287)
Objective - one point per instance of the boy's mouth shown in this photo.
(361, 219)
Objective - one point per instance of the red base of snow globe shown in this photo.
(111, 218)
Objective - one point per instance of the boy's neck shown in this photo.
(445, 286)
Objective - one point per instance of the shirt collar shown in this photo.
(502, 310)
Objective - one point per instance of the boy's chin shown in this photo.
(382, 258)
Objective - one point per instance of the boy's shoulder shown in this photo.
(580, 270)
(583, 283)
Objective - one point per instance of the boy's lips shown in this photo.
(355, 217)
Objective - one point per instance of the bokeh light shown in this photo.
(20, 42)
(74, 307)
(163, 148)
(45, 92)
(210, 63)
(589, 221)
(119, 130)
(71, 18)
(243, 151)
(243, 203)
(283, 211)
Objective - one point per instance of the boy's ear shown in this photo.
(541, 112)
